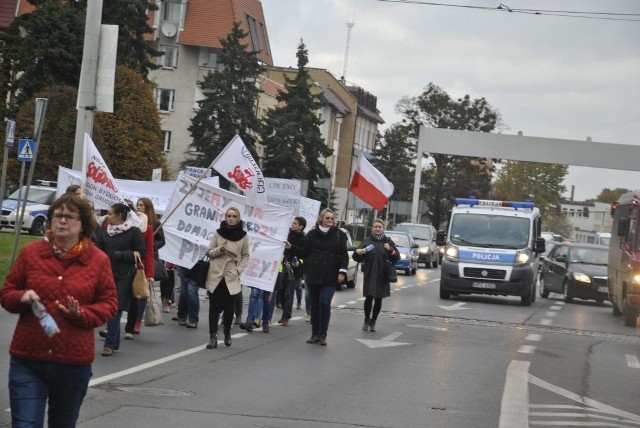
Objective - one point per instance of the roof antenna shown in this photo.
(350, 24)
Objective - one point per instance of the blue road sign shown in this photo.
(10, 135)
(25, 149)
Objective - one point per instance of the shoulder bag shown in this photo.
(140, 286)
(159, 270)
(153, 314)
(392, 274)
(198, 273)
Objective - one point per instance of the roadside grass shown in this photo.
(6, 248)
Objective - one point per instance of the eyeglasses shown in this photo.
(66, 217)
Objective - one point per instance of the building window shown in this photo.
(212, 60)
(253, 33)
(170, 57)
(166, 137)
(171, 12)
(164, 99)
(263, 36)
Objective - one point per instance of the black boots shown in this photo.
(323, 340)
(372, 325)
(365, 326)
(213, 341)
(227, 338)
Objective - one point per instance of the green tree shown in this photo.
(228, 107)
(450, 176)
(611, 195)
(557, 223)
(293, 144)
(539, 182)
(393, 157)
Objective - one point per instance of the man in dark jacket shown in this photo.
(292, 255)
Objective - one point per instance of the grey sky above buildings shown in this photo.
(549, 76)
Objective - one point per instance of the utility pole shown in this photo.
(87, 88)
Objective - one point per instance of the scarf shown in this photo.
(117, 229)
(66, 254)
(382, 237)
(231, 233)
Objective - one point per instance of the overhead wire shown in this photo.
(610, 16)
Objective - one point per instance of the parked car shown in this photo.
(41, 196)
(408, 249)
(425, 236)
(352, 269)
(576, 270)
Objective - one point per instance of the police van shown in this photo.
(491, 247)
(41, 196)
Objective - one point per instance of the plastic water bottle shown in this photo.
(294, 261)
(369, 247)
(46, 320)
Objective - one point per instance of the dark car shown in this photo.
(425, 236)
(408, 249)
(576, 270)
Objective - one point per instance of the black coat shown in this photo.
(325, 254)
(120, 250)
(296, 239)
(375, 282)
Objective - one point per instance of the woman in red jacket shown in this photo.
(67, 274)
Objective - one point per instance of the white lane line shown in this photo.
(362, 298)
(550, 314)
(632, 361)
(533, 337)
(514, 408)
(352, 302)
(546, 321)
(427, 327)
(392, 336)
(527, 349)
(556, 308)
(341, 306)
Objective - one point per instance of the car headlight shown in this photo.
(523, 256)
(581, 277)
(17, 211)
(451, 252)
(636, 279)
(424, 250)
(403, 256)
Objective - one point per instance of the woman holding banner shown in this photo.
(229, 253)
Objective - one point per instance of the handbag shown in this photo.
(140, 286)
(159, 270)
(198, 273)
(287, 270)
(392, 274)
(152, 314)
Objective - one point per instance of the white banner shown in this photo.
(99, 185)
(190, 228)
(283, 186)
(309, 209)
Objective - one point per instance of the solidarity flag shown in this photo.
(236, 164)
(99, 185)
(370, 185)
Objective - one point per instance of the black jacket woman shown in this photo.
(119, 240)
(377, 252)
(325, 265)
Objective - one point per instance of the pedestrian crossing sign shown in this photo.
(25, 149)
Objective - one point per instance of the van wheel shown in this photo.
(443, 294)
(526, 300)
(629, 314)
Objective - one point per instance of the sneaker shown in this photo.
(257, 323)
(246, 326)
(107, 352)
(128, 336)
(313, 339)
(266, 328)
(102, 333)
(298, 307)
(307, 318)
(191, 325)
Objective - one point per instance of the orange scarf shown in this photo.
(66, 254)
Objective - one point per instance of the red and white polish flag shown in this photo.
(370, 185)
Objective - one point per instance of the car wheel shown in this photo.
(543, 290)
(414, 270)
(568, 298)
(616, 312)
(629, 313)
(434, 263)
(407, 271)
(37, 227)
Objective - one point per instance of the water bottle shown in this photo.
(369, 247)
(46, 320)
(294, 261)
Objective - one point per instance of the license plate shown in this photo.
(487, 285)
(603, 289)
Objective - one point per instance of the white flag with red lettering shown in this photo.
(99, 185)
(236, 164)
(370, 185)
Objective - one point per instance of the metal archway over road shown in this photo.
(521, 148)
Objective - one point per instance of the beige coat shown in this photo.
(229, 265)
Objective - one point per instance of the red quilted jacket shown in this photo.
(88, 279)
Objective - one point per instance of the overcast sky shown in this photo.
(549, 76)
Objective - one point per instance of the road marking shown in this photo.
(556, 308)
(362, 298)
(514, 408)
(455, 307)
(546, 321)
(427, 327)
(341, 306)
(352, 302)
(527, 349)
(551, 314)
(632, 361)
(533, 337)
(385, 342)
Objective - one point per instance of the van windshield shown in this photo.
(486, 230)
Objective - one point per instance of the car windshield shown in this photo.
(418, 232)
(399, 239)
(487, 230)
(39, 196)
(590, 256)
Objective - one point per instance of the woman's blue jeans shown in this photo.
(113, 332)
(189, 300)
(254, 311)
(321, 296)
(32, 383)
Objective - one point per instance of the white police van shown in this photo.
(492, 247)
(41, 196)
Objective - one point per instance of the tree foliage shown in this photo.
(557, 223)
(450, 176)
(393, 157)
(294, 147)
(611, 195)
(228, 106)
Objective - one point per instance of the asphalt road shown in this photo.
(466, 362)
